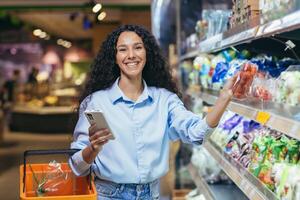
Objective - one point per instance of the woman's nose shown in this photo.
(131, 53)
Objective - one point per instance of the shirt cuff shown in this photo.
(78, 165)
(207, 127)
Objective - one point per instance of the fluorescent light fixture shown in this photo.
(101, 16)
(59, 41)
(97, 8)
(43, 35)
(37, 32)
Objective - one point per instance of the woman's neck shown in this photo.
(132, 88)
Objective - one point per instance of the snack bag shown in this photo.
(219, 74)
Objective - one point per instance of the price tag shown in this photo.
(262, 117)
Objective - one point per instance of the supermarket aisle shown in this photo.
(12, 156)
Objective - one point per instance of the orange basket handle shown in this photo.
(69, 152)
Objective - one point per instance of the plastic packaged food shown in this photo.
(263, 88)
(218, 76)
(241, 87)
(289, 86)
(202, 64)
(234, 67)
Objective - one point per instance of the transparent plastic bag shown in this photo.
(289, 86)
(264, 88)
(51, 181)
(241, 87)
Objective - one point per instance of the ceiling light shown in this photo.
(97, 8)
(43, 35)
(37, 32)
(59, 41)
(101, 16)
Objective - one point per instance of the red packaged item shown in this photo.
(263, 88)
(241, 88)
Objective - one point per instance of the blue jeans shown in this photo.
(109, 190)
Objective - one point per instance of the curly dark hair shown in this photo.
(105, 70)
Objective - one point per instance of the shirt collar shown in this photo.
(115, 93)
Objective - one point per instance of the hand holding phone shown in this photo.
(98, 137)
(99, 131)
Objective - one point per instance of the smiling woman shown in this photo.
(131, 58)
(131, 84)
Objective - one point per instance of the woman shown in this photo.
(131, 84)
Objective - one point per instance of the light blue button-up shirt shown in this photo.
(143, 129)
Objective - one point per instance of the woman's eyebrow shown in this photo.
(124, 45)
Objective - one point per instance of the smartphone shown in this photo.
(98, 118)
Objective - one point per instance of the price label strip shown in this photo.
(262, 117)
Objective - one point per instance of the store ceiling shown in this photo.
(54, 16)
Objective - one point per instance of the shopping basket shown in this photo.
(75, 188)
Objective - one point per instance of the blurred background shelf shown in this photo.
(288, 23)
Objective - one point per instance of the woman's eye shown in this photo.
(122, 49)
(139, 47)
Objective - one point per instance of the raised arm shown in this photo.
(213, 117)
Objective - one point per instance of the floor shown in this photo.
(11, 156)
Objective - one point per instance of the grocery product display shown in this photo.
(257, 141)
(261, 150)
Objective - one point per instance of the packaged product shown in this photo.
(206, 166)
(287, 181)
(219, 74)
(264, 88)
(289, 86)
(293, 147)
(241, 87)
(226, 129)
(234, 67)
(229, 54)
(202, 64)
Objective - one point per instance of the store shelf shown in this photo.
(201, 184)
(285, 24)
(211, 43)
(218, 42)
(44, 110)
(282, 117)
(249, 184)
(217, 191)
(190, 54)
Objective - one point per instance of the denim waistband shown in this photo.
(134, 188)
(130, 185)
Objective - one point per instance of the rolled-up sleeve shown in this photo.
(80, 141)
(183, 124)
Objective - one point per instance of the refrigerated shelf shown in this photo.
(201, 184)
(282, 117)
(250, 185)
(216, 191)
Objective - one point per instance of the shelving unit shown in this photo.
(249, 184)
(201, 184)
(218, 191)
(218, 42)
(281, 117)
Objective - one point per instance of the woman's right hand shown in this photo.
(98, 137)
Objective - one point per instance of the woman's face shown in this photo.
(131, 55)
